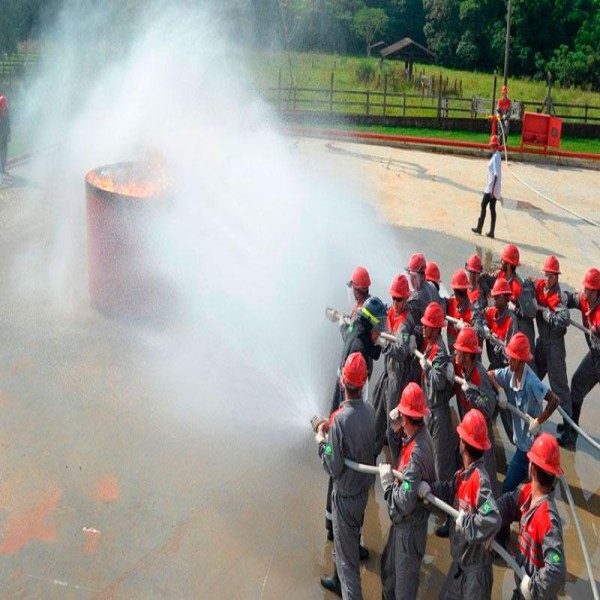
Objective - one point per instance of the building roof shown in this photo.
(406, 48)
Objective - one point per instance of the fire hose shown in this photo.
(488, 335)
(441, 505)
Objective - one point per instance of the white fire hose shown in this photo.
(491, 336)
(441, 505)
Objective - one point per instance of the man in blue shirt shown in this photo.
(520, 386)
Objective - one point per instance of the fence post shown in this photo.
(439, 107)
(279, 91)
(331, 93)
(404, 104)
(384, 93)
(368, 102)
(585, 116)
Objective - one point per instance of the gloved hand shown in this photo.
(525, 587)
(317, 421)
(546, 314)
(423, 362)
(423, 489)
(502, 399)
(332, 315)
(465, 386)
(383, 342)
(394, 414)
(487, 333)
(460, 325)
(458, 524)
(412, 344)
(534, 425)
(320, 436)
(511, 306)
(386, 475)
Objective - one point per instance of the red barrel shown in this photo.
(123, 202)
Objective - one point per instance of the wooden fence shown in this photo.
(390, 104)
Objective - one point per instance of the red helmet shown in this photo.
(460, 280)
(434, 316)
(417, 263)
(500, 287)
(432, 272)
(399, 287)
(474, 264)
(412, 402)
(494, 141)
(473, 430)
(3, 105)
(467, 341)
(354, 372)
(545, 454)
(510, 255)
(551, 265)
(518, 347)
(360, 279)
(592, 279)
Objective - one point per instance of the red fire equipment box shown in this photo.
(541, 130)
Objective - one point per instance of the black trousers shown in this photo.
(487, 199)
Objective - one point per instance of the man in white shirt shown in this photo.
(493, 189)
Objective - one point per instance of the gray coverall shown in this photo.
(405, 548)
(503, 325)
(419, 301)
(540, 546)
(351, 435)
(550, 353)
(587, 374)
(470, 575)
(389, 386)
(484, 399)
(438, 390)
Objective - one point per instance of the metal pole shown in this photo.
(507, 47)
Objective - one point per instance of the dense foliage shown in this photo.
(562, 36)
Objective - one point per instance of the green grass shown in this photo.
(568, 144)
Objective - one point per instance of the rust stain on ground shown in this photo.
(29, 524)
(107, 489)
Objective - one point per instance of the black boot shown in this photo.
(332, 583)
(490, 234)
(477, 229)
(568, 439)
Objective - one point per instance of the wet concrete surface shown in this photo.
(117, 483)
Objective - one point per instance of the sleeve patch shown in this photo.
(555, 559)
(406, 486)
(328, 449)
(485, 509)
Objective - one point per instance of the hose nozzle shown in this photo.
(317, 421)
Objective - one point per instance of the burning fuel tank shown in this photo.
(124, 203)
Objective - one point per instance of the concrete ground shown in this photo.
(112, 486)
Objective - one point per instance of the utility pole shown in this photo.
(507, 47)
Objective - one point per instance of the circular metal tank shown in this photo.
(123, 205)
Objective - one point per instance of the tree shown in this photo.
(293, 12)
(368, 22)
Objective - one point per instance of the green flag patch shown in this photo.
(406, 486)
(485, 509)
(328, 449)
(555, 558)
